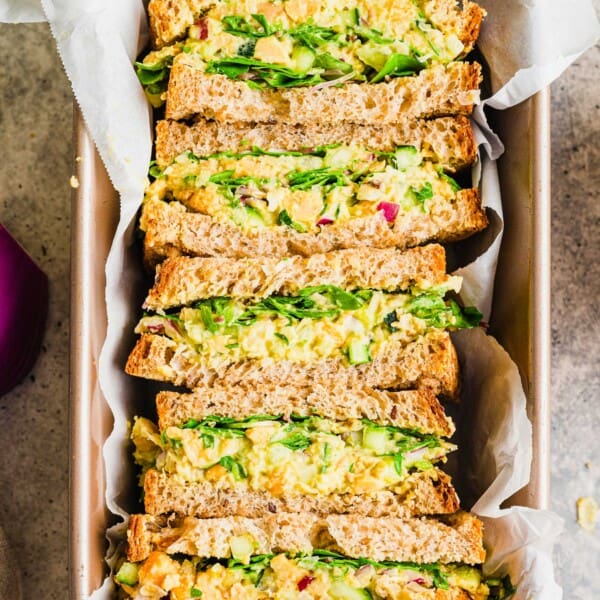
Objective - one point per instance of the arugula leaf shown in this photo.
(398, 65)
(398, 459)
(376, 36)
(273, 75)
(229, 184)
(325, 177)
(282, 337)
(330, 63)
(237, 25)
(234, 467)
(312, 35)
(341, 298)
(326, 458)
(295, 442)
(437, 312)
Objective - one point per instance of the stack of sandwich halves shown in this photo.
(308, 153)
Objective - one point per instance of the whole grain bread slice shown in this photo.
(422, 493)
(447, 141)
(182, 281)
(440, 90)
(411, 409)
(170, 19)
(456, 538)
(429, 362)
(170, 230)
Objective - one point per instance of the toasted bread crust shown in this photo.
(430, 362)
(170, 230)
(412, 409)
(169, 19)
(457, 538)
(448, 141)
(182, 281)
(440, 90)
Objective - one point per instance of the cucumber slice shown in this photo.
(375, 439)
(406, 156)
(358, 352)
(465, 577)
(351, 17)
(242, 547)
(373, 55)
(127, 574)
(340, 590)
(303, 57)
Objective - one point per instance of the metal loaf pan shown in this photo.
(521, 317)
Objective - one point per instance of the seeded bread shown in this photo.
(430, 362)
(440, 90)
(182, 281)
(170, 230)
(422, 493)
(412, 409)
(457, 538)
(170, 19)
(447, 141)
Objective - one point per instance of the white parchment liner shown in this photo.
(527, 44)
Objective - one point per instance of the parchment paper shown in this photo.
(527, 44)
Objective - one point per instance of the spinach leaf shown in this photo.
(312, 35)
(326, 177)
(341, 298)
(422, 194)
(437, 312)
(237, 25)
(295, 442)
(285, 219)
(453, 183)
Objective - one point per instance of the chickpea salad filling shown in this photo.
(305, 455)
(304, 190)
(306, 43)
(321, 574)
(320, 322)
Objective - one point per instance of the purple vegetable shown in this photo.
(23, 311)
(389, 210)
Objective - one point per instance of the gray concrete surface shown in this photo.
(35, 139)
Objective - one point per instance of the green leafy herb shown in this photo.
(234, 467)
(398, 459)
(341, 298)
(154, 78)
(374, 35)
(295, 442)
(282, 337)
(169, 441)
(334, 65)
(398, 65)
(155, 171)
(195, 593)
(247, 48)
(390, 319)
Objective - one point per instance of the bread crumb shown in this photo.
(587, 513)
(74, 182)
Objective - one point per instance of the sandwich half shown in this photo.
(250, 451)
(305, 556)
(307, 61)
(376, 316)
(305, 201)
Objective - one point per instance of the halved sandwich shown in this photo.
(314, 62)
(305, 556)
(375, 316)
(250, 451)
(284, 202)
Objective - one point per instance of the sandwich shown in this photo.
(251, 201)
(379, 317)
(342, 557)
(250, 451)
(302, 61)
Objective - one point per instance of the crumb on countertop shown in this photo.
(74, 182)
(587, 513)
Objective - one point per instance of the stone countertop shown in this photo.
(35, 132)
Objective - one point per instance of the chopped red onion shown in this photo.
(202, 25)
(389, 210)
(305, 582)
(23, 311)
(325, 221)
